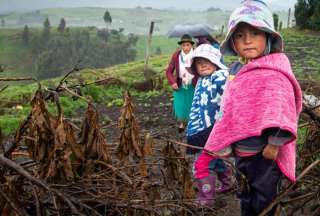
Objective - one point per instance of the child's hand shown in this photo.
(270, 152)
(175, 86)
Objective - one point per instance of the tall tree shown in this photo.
(315, 17)
(107, 17)
(62, 25)
(25, 35)
(307, 14)
(46, 29)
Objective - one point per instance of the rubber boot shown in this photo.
(205, 191)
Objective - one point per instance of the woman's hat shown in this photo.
(185, 38)
(257, 14)
(207, 51)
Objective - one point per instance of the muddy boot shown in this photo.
(205, 191)
(226, 180)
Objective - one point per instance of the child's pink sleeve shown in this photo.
(202, 165)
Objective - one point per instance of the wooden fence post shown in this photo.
(148, 49)
(289, 14)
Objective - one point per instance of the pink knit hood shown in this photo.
(263, 94)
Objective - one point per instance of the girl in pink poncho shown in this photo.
(259, 111)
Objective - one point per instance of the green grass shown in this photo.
(9, 123)
(166, 45)
(303, 49)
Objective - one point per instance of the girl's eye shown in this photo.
(238, 35)
(257, 33)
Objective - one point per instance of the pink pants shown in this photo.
(202, 165)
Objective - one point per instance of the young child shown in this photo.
(212, 75)
(181, 81)
(260, 108)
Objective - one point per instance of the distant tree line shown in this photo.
(307, 14)
(55, 51)
(213, 9)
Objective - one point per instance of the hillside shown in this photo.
(133, 20)
(302, 48)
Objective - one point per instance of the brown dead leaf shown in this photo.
(172, 164)
(92, 139)
(148, 145)
(129, 137)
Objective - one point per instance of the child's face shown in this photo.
(186, 47)
(204, 67)
(249, 42)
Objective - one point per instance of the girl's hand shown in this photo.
(270, 152)
(175, 86)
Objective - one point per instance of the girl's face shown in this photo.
(204, 67)
(186, 47)
(249, 42)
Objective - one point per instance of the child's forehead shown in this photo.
(202, 59)
(246, 27)
(186, 44)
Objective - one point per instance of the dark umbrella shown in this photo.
(194, 30)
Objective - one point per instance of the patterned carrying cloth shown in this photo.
(206, 102)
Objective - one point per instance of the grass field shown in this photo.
(166, 45)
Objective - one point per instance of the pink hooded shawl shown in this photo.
(263, 94)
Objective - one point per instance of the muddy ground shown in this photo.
(154, 115)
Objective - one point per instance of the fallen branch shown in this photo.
(75, 94)
(283, 194)
(116, 171)
(304, 125)
(214, 154)
(313, 115)
(17, 79)
(9, 163)
(38, 211)
(302, 197)
(74, 69)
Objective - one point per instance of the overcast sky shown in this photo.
(19, 5)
